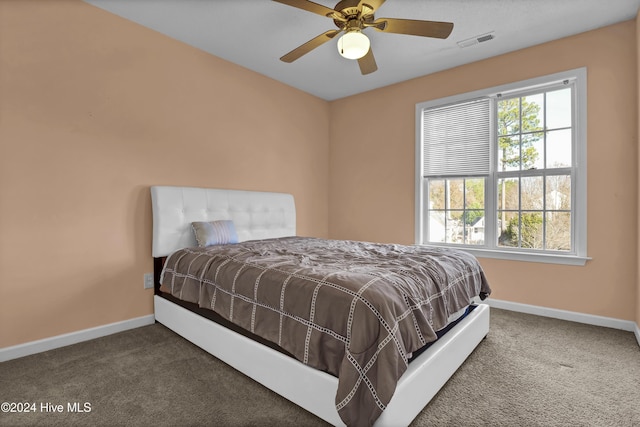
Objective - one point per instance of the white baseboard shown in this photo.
(589, 319)
(58, 341)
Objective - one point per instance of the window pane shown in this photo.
(559, 109)
(436, 226)
(521, 230)
(508, 194)
(474, 193)
(508, 153)
(533, 151)
(559, 149)
(558, 231)
(532, 193)
(436, 193)
(532, 113)
(509, 228)
(456, 193)
(531, 230)
(509, 116)
(474, 227)
(454, 227)
(558, 195)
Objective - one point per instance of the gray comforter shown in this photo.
(354, 309)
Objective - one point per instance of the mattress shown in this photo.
(357, 310)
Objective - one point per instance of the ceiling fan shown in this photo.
(353, 16)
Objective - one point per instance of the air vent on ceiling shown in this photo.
(477, 39)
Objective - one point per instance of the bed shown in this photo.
(345, 376)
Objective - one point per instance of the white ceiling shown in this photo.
(256, 33)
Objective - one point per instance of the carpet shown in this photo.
(529, 371)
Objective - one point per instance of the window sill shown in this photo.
(523, 256)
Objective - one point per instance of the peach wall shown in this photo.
(371, 190)
(95, 109)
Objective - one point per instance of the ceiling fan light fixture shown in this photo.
(353, 44)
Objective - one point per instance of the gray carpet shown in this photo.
(529, 371)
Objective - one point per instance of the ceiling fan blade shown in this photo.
(440, 30)
(309, 6)
(309, 46)
(345, 4)
(373, 5)
(367, 63)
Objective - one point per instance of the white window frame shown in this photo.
(579, 181)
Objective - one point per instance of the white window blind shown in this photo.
(462, 147)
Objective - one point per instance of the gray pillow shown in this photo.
(214, 232)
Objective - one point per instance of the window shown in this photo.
(502, 172)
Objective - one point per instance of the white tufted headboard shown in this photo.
(255, 214)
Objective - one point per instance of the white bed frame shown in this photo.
(259, 215)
